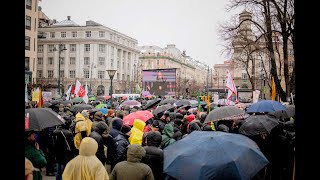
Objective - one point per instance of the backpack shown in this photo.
(73, 127)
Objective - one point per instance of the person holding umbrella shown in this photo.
(34, 154)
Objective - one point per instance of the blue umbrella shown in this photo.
(103, 110)
(213, 155)
(266, 106)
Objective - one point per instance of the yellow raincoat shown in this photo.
(82, 125)
(86, 166)
(137, 132)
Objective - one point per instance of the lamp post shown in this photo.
(111, 73)
(264, 86)
(61, 48)
(91, 76)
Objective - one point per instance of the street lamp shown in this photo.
(61, 48)
(264, 86)
(111, 73)
(91, 76)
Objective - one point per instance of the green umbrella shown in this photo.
(92, 98)
(91, 95)
(77, 100)
(100, 106)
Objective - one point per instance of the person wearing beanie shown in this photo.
(154, 155)
(119, 149)
(132, 168)
(86, 165)
(96, 134)
(98, 117)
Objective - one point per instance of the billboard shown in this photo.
(159, 82)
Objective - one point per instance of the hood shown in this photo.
(154, 138)
(88, 147)
(168, 130)
(117, 123)
(100, 127)
(80, 117)
(135, 153)
(139, 124)
(195, 125)
(98, 116)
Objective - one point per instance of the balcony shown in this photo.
(42, 35)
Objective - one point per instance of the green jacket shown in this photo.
(167, 134)
(36, 157)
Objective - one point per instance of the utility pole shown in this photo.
(91, 76)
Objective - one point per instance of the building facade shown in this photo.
(85, 53)
(31, 33)
(191, 75)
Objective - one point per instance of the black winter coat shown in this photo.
(119, 149)
(63, 145)
(100, 152)
(154, 159)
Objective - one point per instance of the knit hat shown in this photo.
(155, 124)
(125, 129)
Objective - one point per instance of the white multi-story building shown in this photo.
(85, 53)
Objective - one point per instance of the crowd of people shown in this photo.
(90, 140)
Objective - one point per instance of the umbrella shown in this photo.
(47, 104)
(99, 106)
(81, 107)
(142, 115)
(266, 106)
(131, 103)
(256, 124)
(290, 112)
(40, 118)
(103, 110)
(151, 103)
(183, 102)
(162, 108)
(224, 102)
(213, 155)
(93, 110)
(224, 112)
(92, 98)
(185, 107)
(167, 101)
(77, 100)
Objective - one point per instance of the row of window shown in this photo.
(73, 48)
(72, 74)
(72, 61)
(88, 34)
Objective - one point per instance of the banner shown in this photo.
(256, 95)
(47, 96)
(216, 98)
(35, 96)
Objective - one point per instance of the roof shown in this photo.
(65, 23)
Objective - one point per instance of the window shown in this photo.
(122, 77)
(101, 34)
(290, 52)
(102, 48)
(118, 64)
(111, 36)
(74, 34)
(29, 4)
(27, 63)
(112, 62)
(52, 34)
(62, 74)
(50, 73)
(244, 76)
(101, 60)
(72, 60)
(86, 60)
(39, 73)
(72, 74)
(40, 48)
(118, 39)
(27, 43)
(51, 48)
(61, 60)
(63, 34)
(112, 51)
(87, 47)
(86, 74)
(28, 22)
(73, 47)
(50, 60)
(88, 33)
(101, 74)
(118, 76)
(40, 60)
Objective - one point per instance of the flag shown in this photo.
(40, 102)
(77, 88)
(273, 90)
(68, 93)
(26, 94)
(231, 87)
(85, 97)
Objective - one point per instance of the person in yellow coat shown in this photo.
(86, 166)
(137, 132)
(82, 129)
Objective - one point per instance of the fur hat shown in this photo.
(125, 129)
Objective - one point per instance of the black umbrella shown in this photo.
(223, 113)
(47, 104)
(290, 112)
(183, 102)
(81, 107)
(152, 103)
(256, 124)
(162, 108)
(39, 118)
(185, 107)
(167, 101)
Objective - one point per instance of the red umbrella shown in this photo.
(107, 97)
(142, 115)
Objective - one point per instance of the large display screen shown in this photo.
(159, 82)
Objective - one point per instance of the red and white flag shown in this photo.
(85, 97)
(231, 87)
(77, 88)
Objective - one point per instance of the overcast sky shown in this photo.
(191, 25)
